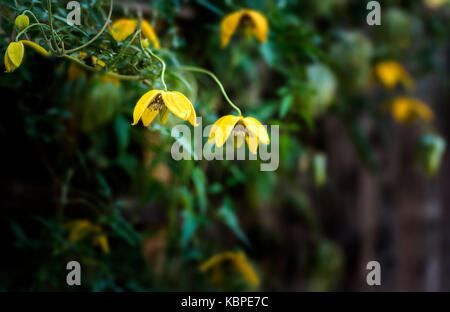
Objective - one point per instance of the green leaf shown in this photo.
(227, 215)
(190, 224)
(286, 105)
(199, 179)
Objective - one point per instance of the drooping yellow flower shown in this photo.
(240, 128)
(254, 23)
(238, 260)
(81, 229)
(22, 21)
(406, 110)
(124, 27)
(391, 73)
(155, 101)
(15, 52)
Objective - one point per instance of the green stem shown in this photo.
(50, 21)
(28, 27)
(42, 30)
(96, 70)
(97, 35)
(204, 71)
(163, 71)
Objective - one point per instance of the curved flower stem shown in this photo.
(98, 34)
(204, 71)
(163, 67)
(110, 74)
(50, 21)
(28, 27)
(42, 29)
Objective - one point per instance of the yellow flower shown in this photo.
(15, 51)
(124, 27)
(155, 101)
(238, 260)
(390, 73)
(75, 71)
(249, 128)
(254, 22)
(405, 110)
(81, 229)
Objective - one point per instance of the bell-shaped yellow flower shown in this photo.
(238, 260)
(124, 27)
(391, 73)
(257, 24)
(155, 101)
(240, 128)
(14, 56)
(15, 52)
(406, 110)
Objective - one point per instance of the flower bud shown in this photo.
(21, 22)
(145, 43)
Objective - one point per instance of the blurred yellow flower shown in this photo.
(435, 4)
(75, 71)
(155, 101)
(15, 51)
(81, 229)
(405, 110)
(241, 128)
(254, 23)
(237, 259)
(391, 73)
(124, 27)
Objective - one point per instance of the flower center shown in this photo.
(157, 103)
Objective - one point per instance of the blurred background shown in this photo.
(363, 174)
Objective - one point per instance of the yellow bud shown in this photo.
(145, 43)
(22, 21)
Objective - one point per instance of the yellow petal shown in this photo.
(179, 105)
(245, 269)
(223, 129)
(9, 66)
(149, 32)
(229, 25)
(212, 133)
(35, 47)
(143, 103)
(252, 142)
(122, 28)
(15, 53)
(257, 129)
(215, 260)
(260, 25)
(148, 116)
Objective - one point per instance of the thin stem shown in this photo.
(42, 30)
(163, 67)
(204, 71)
(28, 27)
(98, 34)
(50, 21)
(122, 51)
(96, 70)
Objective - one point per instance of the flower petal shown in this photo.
(35, 47)
(15, 53)
(143, 103)
(261, 27)
(149, 32)
(223, 128)
(252, 142)
(229, 25)
(179, 105)
(256, 128)
(148, 116)
(122, 28)
(9, 66)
